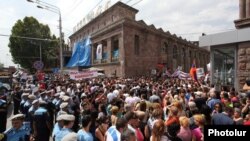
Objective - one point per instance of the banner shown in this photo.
(99, 52)
(82, 75)
(81, 54)
(183, 75)
(208, 67)
(200, 72)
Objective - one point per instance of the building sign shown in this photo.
(75, 75)
(91, 15)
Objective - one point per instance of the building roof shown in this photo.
(118, 4)
(236, 36)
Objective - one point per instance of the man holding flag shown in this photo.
(193, 73)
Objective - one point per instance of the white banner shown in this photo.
(99, 52)
(208, 67)
(75, 75)
(200, 72)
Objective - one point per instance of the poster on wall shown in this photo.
(99, 52)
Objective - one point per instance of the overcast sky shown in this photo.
(186, 18)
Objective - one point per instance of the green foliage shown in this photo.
(26, 51)
(1, 65)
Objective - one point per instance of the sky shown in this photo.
(186, 18)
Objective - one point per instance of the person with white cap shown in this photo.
(68, 121)
(41, 123)
(18, 131)
(43, 96)
(32, 109)
(27, 105)
(56, 98)
(23, 101)
(59, 124)
(63, 108)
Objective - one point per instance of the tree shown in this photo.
(25, 51)
(1, 65)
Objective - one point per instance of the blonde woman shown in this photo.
(158, 131)
(199, 120)
(114, 112)
(185, 133)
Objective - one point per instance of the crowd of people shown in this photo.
(119, 109)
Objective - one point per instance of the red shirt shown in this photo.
(247, 123)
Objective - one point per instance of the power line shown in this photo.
(128, 1)
(29, 38)
(74, 7)
(96, 5)
(136, 3)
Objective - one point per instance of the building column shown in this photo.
(242, 9)
(247, 8)
(93, 53)
(122, 58)
(109, 48)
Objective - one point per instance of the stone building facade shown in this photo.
(235, 44)
(133, 48)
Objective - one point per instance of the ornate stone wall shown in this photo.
(243, 71)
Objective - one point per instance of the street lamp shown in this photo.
(54, 9)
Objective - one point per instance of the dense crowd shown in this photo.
(117, 109)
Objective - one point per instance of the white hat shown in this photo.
(70, 137)
(42, 93)
(32, 97)
(83, 95)
(25, 94)
(68, 117)
(17, 117)
(62, 93)
(60, 117)
(35, 101)
(57, 94)
(78, 85)
(42, 102)
(64, 105)
(66, 98)
(198, 93)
